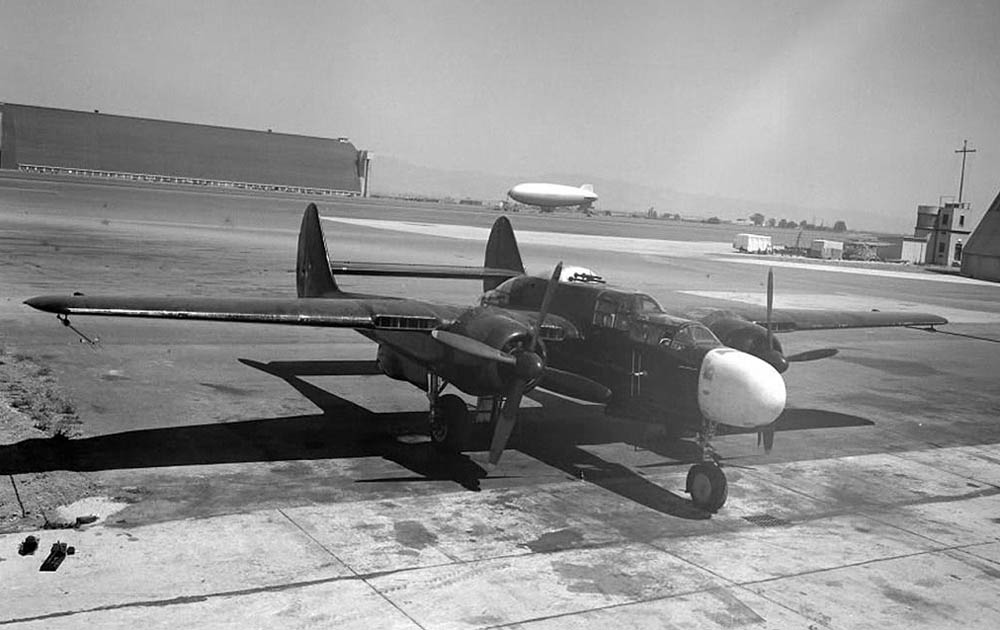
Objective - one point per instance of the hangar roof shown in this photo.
(50, 137)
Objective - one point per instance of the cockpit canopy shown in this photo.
(595, 306)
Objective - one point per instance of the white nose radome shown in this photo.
(740, 390)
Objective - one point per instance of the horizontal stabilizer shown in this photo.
(350, 268)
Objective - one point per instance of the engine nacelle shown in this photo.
(400, 368)
(482, 377)
(748, 337)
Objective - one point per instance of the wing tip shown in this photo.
(47, 303)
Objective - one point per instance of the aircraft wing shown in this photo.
(372, 312)
(788, 320)
(387, 313)
(793, 319)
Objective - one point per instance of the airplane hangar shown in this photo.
(49, 140)
(981, 256)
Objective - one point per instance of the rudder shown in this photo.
(313, 277)
(501, 252)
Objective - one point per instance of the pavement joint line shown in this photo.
(852, 565)
(901, 528)
(643, 600)
(759, 474)
(187, 599)
(782, 604)
(966, 551)
(760, 471)
(355, 575)
(937, 467)
(358, 576)
(365, 577)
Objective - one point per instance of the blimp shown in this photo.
(554, 195)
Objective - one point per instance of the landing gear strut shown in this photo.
(706, 483)
(449, 416)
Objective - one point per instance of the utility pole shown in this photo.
(965, 150)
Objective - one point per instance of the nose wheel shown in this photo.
(707, 485)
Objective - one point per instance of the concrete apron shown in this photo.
(886, 540)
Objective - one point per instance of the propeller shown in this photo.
(772, 356)
(765, 437)
(508, 417)
(528, 365)
(474, 347)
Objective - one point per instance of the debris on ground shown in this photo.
(28, 546)
(56, 556)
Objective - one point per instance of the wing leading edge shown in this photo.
(805, 319)
(367, 313)
(793, 319)
(400, 314)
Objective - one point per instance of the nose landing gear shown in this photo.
(706, 483)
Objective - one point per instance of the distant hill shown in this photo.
(393, 176)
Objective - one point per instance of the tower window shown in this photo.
(961, 220)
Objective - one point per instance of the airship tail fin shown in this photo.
(587, 187)
(501, 252)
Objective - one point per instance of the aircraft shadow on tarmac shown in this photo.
(347, 430)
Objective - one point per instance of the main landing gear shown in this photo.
(448, 418)
(706, 483)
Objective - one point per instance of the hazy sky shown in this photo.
(821, 104)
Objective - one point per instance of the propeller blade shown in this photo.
(550, 291)
(471, 346)
(813, 355)
(574, 386)
(770, 308)
(766, 437)
(506, 422)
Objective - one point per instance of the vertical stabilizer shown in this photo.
(501, 252)
(313, 277)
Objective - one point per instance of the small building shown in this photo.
(906, 249)
(946, 228)
(981, 255)
(752, 243)
(829, 250)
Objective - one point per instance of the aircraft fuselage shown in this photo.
(650, 360)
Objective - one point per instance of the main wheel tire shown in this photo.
(450, 424)
(707, 485)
